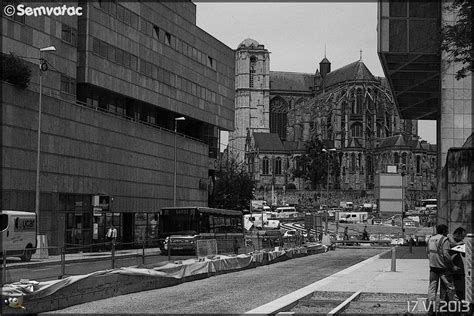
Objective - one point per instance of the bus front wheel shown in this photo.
(27, 254)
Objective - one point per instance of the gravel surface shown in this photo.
(235, 292)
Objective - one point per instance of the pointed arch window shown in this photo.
(278, 117)
(277, 166)
(265, 165)
(380, 131)
(404, 158)
(369, 166)
(359, 100)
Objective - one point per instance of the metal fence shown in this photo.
(58, 262)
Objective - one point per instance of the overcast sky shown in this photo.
(296, 34)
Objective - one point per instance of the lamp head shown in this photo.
(182, 118)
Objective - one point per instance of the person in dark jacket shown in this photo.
(365, 234)
(441, 266)
(459, 276)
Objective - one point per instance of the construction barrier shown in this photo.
(469, 268)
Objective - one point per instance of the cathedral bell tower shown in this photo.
(252, 94)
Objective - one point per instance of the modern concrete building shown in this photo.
(121, 74)
(424, 86)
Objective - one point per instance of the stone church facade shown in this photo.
(349, 109)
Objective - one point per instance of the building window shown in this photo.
(396, 158)
(359, 100)
(265, 166)
(108, 6)
(68, 84)
(356, 130)
(156, 32)
(380, 131)
(404, 158)
(418, 164)
(277, 168)
(278, 117)
(167, 38)
(69, 34)
(210, 61)
(253, 62)
(95, 46)
(17, 18)
(103, 49)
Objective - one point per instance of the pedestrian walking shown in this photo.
(112, 234)
(441, 267)
(346, 234)
(365, 234)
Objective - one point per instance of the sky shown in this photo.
(299, 35)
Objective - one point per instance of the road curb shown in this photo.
(286, 302)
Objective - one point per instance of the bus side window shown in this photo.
(16, 223)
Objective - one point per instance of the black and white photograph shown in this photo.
(220, 157)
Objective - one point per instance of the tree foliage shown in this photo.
(15, 70)
(313, 165)
(456, 38)
(233, 187)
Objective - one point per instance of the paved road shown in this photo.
(236, 292)
(51, 270)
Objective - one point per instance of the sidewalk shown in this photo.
(370, 276)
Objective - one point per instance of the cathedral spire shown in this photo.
(360, 55)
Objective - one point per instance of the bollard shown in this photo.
(113, 255)
(63, 263)
(394, 259)
(410, 245)
(143, 251)
(4, 268)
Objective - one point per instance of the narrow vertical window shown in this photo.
(253, 62)
(265, 166)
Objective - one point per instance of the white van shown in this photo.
(354, 217)
(18, 234)
(287, 213)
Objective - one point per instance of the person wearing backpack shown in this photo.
(441, 267)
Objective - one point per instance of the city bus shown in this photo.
(188, 224)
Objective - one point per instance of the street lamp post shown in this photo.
(38, 143)
(327, 151)
(182, 118)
